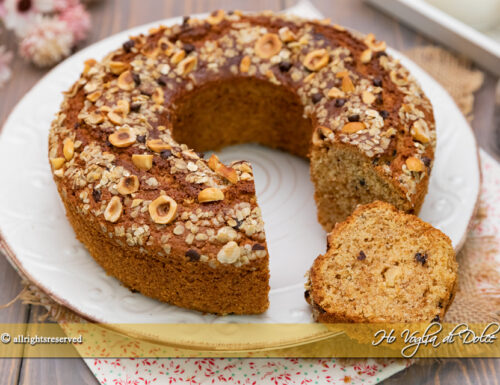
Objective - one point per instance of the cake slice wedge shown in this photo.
(383, 265)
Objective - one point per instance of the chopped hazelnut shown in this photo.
(267, 46)
(113, 210)
(210, 194)
(163, 210)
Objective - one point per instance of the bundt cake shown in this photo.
(187, 230)
(383, 265)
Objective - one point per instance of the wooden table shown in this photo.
(111, 16)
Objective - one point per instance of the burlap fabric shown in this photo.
(477, 269)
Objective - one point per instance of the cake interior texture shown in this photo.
(383, 265)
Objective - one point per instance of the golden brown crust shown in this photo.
(120, 120)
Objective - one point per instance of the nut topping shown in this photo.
(158, 145)
(114, 118)
(158, 96)
(376, 46)
(68, 149)
(286, 35)
(94, 118)
(142, 161)
(57, 163)
(366, 56)
(267, 46)
(420, 131)
(210, 194)
(352, 127)
(229, 253)
(221, 169)
(216, 17)
(94, 95)
(113, 210)
(186, 65)
(316, 60)
(368, 97)
(117, 67)
(123, 137)
(335, 93)
(245, 64)
(128, 185)
(178, 56)
(163, 210)
(347, 85)
(126, 81)
(415, 164)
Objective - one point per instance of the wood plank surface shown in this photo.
(112, 16)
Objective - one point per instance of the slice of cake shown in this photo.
(383, 265)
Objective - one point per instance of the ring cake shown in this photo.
(187, 230)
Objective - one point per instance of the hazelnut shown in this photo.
(68, 149)
(178, 56)
(186, 65)
(123, 137)
(366, 56)
(114, 118)
(163, 210)
(335, 93)
(213, 162)
(158, 145)
(367, 97)
(373, 44)
(128, 185)
(267, 45)
(94, 118)
(158, 96)
(286, 35)
(150, 50)
(216, 17)
(316, 59)
(396, 79)
(229, 253)
(221, 169)
(352, 127)
(89, 63)
(166, 46)
(126, 81)
(338, 27)
(94, 96)
(57, 163)
(420, 131)
(320, 134)
(347, 85)
(415, 164)
(117, 67)
(122, 107)
(210, 194)
(245, 64)
(113, 210)
(142, 161)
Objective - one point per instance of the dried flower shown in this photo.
(77, 20)
(47, 42)
(5, 72)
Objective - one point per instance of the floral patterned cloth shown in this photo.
(283, 371)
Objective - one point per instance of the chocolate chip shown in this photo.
(96, 194)
(165, 154)
(146, 91)
(440, 305)
(185, 20)
(257, 247)
(361, 256)
(24, 5)
(384, 114)
(394, 152)
(427, 161)
(377, 82)
(375, 161)
(436, 319)
(285, 66)
(137, 78)
(77, 125)
(379, 99)
(141, 138)
(362, 182)
(193, 255)
(135, 107)
(380, 54)
(200, 154)
(339, 102)
(188, 48)
(422, 258)
(162, 80)
(307, 294)
(128, 45)
(353, 118)
(316, 97)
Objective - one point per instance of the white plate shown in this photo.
(43, 246)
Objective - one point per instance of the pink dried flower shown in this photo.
(5, 72)
(47, 42)
(61, 5)
(18, 15)
(78, 21)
